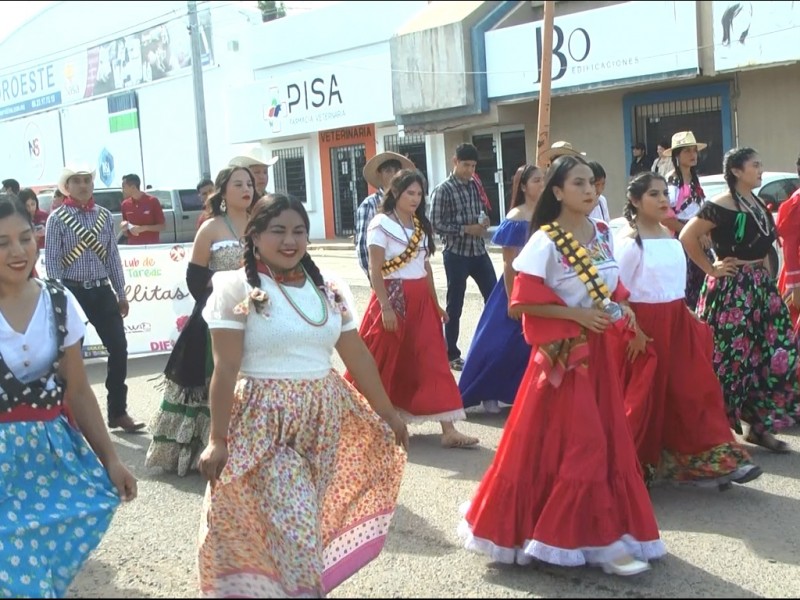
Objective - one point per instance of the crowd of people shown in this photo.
(628, 359)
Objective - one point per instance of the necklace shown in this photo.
(403, 226)
(228, 222)
(299, 310)
(759, 216)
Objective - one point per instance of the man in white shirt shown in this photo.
(600, 211)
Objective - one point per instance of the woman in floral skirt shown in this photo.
(755, 353)
(303, 471)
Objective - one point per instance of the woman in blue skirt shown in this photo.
(58, 490)
(499, 354)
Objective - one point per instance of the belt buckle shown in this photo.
(88, 285)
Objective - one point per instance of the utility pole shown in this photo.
(543, 140)
(199, 94)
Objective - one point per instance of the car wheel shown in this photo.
(772, 262)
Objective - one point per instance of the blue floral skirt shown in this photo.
(56, 502)
(755, 354)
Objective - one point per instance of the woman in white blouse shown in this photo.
(50, 475)
(680, 427)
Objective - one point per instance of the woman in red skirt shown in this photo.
(402, 326)
(788, 224)
(680, 426)
(565, 486)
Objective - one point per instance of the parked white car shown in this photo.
(776, 187)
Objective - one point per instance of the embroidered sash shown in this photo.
(87, 239)
(407, 255)
(577, 256)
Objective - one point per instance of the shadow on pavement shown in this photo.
(138, 366)
(411, 534)
(97, 580)
(764, 521)
(669, 577)
(464, 463)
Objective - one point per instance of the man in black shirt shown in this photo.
(639, 164)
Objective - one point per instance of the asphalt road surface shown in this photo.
(741, 543)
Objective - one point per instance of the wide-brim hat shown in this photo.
(71, 171)
(374, 164)
(251, 158)
(683, 139)
(560, 148)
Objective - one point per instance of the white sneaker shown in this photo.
(625, 569)
(492, 407)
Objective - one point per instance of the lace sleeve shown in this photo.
(346, 305)
(229, 303)
(711, 212)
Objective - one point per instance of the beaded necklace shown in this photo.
(293, 304)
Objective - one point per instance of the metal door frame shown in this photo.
(496, 132)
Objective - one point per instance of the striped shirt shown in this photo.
(454, 204)
(365, 213)
(88, 266)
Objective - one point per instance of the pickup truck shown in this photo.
(181, 207)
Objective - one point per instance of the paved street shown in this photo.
(742, 543)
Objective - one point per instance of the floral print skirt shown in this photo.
(307, 495)
(755, 354)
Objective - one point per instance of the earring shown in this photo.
(223, 206)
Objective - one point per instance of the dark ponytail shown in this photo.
(251, 270)
(313, 272)
(736, 158)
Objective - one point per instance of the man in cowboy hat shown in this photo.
(258, 164)
(378, 172)
(82, 253)
(560, 148)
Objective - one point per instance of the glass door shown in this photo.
(500, 153)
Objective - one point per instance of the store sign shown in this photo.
(750, 34)
(589, 49)
(330, 97)
(149, 55)
(160, 302)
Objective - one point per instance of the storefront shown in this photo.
(122, 102)
(325, 108)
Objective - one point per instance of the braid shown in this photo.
(630, 215)
(313, 272)
(251, 270)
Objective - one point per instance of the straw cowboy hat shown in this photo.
(374, 164)
(683, 139)
(252, 158)
(560, 148)
(69, 172)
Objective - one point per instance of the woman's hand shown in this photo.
(399, 428)
(213, 460)
(724, 268)
(388, 318)
(705, 242)
(123, 480)
(592, 319)
(637, 345)
(442, 314)
(629, 315)
(515, 312)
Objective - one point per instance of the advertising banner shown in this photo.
(160, 302)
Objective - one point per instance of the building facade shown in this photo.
(115, 90)
(730, 76)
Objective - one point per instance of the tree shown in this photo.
(271, 10)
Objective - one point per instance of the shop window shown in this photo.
(701, 115)
(290, 172)
(411, 146)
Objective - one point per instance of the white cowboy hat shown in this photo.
(683, 139)
(561, 148)
(252, 158)
(372, 168)
(69, 172)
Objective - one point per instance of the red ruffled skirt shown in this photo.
(412, 360)
(565, 486)
(680, 425)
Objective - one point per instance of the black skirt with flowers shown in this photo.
(755, 353)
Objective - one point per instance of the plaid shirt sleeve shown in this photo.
(114, 262)
(443, 217)
(54, 234)
(365, 213)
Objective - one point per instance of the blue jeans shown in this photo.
(458, 269)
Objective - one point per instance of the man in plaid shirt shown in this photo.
(456, 209)
(90, 267)
(379, 171)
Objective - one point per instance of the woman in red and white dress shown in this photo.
(402, 326)
(565, 486)
(679, 424)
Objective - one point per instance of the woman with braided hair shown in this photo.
(402, 326)
(678, 421)
(303, 471)
(755, 355)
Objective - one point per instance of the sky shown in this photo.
(16, 12)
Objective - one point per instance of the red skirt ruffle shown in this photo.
(412, 360)
(680, 426)
(565, 485)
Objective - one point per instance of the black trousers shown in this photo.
(102, 309)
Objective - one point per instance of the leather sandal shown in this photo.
(771, 443)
